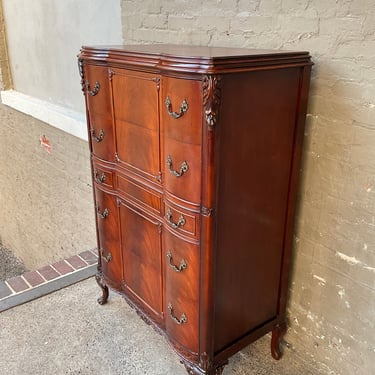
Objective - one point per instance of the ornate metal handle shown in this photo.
(183, 108)
(103, 214)
(181, 220)
(100, 136)
(182, 265)
(107, 257)
(180, 321)
(95, 90)
(100, 179)
(183, 169)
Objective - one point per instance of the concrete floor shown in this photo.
(67, 332)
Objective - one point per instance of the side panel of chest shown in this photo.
(257, 133)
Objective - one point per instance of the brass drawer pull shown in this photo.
(180, 321)
(103, 214)
(95, 89)
(98, 138)
(100, 179)
(183, 108)
(182, 265)
(183, 169)
(181, 220)
(107, 257)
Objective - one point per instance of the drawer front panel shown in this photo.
(181, 109)
(181, 221)
(108, 230)
(102, 137)
(182, 170)
(96, 87)
(182, 280)
(140, 194)
(102, 176)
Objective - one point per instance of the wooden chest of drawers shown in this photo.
(195, 162)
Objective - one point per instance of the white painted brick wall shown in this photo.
(332, 300)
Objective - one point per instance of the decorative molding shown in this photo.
(157, 81)
(110, 74)
(205, 361)
(80, 69)
(211, 99)
(59, 117)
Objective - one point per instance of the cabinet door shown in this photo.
(141, 251)
(136, 108)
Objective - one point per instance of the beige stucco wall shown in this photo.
(332, 302)
(47, 210)
(5, 75)
(44, 37)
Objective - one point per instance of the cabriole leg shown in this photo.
(277, 335)
(104, 298)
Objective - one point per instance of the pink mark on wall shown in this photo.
(44, 142)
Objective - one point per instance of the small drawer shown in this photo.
(108, 236)
(181, 265)
(181, 109)
(140, 194)
(182, 170)
(101, 134)
(181, 221)
(96, 89)
(182, 295)
(102, 176)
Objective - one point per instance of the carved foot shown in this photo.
(104, 298)
(199, 371)
(277, 335)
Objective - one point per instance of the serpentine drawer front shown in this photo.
(195, 158)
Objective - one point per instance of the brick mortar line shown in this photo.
(47, 288)
(56, 269)
(37, 271)
(14, 293)
(23, 278)
(11, 289)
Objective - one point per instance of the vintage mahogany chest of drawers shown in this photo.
(195, 160)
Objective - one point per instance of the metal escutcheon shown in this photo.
(183, 169)
(100, 179)
(181, 220)
(99, 137)
(183, 108)
(183, 318)
(182, 265)
(95, 90)
(107, 257)
(103, 214)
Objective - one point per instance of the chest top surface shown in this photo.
(194, 59)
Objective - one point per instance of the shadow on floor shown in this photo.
(10, 265)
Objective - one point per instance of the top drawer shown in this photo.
(96, 87)
(181, 109)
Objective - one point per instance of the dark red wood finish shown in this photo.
(199, 166)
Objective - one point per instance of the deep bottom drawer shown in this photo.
(181, 283)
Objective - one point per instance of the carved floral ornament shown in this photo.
(211, 98)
